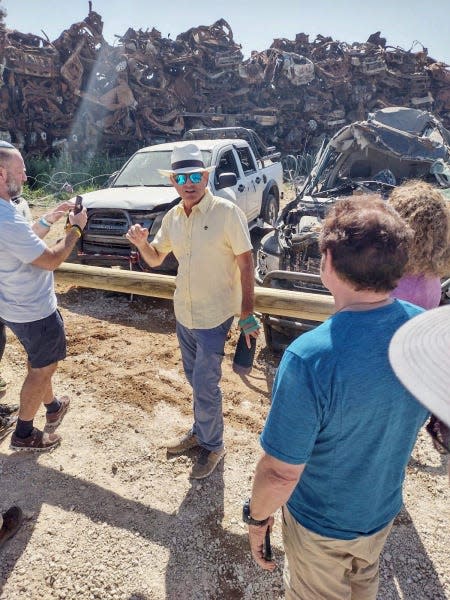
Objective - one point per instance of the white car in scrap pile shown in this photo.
(247, 173)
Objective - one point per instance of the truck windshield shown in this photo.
(142, 169)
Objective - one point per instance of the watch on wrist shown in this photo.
(77, 230)
(247, 518)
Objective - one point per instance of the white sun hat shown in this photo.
(186, 158)
(420, 356)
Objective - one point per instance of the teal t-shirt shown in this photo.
(339, 408)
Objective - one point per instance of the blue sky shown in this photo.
(254, 24)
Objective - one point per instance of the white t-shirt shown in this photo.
(26, 292)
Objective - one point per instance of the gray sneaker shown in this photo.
(207, 461)
(6, 425)
(178, 446)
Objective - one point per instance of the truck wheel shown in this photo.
(269, 212)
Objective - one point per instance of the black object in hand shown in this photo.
(78, 205)
(267, 548)
(243, 356)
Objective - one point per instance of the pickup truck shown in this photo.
(247, 173)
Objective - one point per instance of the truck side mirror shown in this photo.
(226, 180)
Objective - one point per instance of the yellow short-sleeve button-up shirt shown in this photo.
(208, 286)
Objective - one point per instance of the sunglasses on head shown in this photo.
(181, 178)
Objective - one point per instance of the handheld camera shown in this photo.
(78, 205)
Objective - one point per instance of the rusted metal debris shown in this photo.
(78, 90)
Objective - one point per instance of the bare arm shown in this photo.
(51, 217)
(272, 487)
(138, 236)
(246, 268)
(40, 230)
(52, 257)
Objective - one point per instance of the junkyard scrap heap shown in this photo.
(78, 90)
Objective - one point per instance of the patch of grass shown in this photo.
(60, 177)
(45, 198)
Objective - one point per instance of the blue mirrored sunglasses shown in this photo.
(181, 178)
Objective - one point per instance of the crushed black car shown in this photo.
(393, 145)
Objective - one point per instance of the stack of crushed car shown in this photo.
(79, 91)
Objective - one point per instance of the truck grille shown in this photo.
(105, 230)
(105, 233)
(116, 224)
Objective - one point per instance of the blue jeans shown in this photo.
(202, 352)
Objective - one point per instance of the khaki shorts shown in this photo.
(317, 567)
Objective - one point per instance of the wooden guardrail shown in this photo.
(315, 307)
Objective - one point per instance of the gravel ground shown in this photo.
(110, 516)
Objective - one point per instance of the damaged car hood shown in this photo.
(132, 198)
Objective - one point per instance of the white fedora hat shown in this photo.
(420, 356)
(186, 158)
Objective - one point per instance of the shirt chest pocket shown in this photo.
(209, 238)
(198, 236)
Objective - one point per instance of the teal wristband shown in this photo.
(249, 324)
(250, 320)
(43, 221)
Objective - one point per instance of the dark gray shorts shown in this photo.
(44, 340)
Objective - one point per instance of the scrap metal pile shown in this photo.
(79, 91)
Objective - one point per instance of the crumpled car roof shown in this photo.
(407, 119)
(404, 132)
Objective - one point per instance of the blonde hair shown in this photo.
(427, 213)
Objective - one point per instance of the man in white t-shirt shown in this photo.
(28, 301)
(23, 208)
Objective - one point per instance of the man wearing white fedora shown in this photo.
(209, 237)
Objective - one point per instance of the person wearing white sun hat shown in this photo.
(419, 354)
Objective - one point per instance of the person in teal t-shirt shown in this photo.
(341, 427)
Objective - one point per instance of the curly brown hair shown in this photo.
(369, 242)
(426, 211)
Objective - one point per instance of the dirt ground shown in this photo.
(110, 516)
